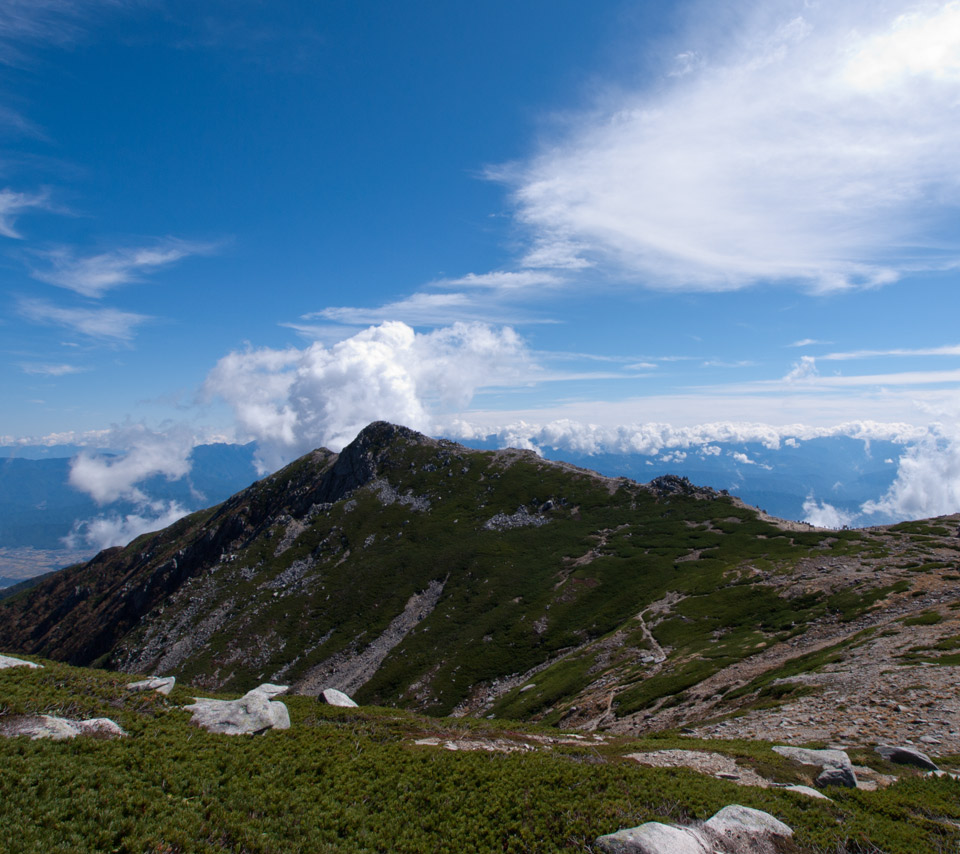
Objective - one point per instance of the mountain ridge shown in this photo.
(421, 573)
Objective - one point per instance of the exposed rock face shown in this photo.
(58, 729)
(733, 830)
(333, 697)
(907, 756)
(9, 661)
(160, 684)
(253, 713)
(836, 765)
(714, 764)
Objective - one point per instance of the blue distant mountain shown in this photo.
(38, 506)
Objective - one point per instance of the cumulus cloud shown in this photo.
(93, 275)
(109, 325)
(927, 482)
(103, 532)
(821, 146)
(150, 453)
(294, 400)
(825, 515)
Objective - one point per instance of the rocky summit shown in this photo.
(412, 572)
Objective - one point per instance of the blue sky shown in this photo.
(620, 226)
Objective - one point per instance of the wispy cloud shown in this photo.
(947, 350)
(822, 148)
(12, 204)
(93, 275)
(49, 370)
(423, 310)
(103, 324)
(806, 342)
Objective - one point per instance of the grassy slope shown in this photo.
(353, 781)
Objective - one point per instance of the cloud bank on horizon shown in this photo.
(749, 239)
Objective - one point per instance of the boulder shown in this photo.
(58, 729)
(741, 829)
(272, 690)
(808, 791)
(160, 684)
(733, 830)
(836, 765)
(9, 661)
(333, 697)
(253, 713)
(907, 756)
(654, 838)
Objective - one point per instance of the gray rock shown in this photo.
(806, 790)
(733, 830)
(100, 726)
(9, 661)
(832, 776)
(272, 690)
(160, 684)
(253, 713)
(333, 697)
(741, 829)
(654, 838)
(58, 729)
(836, 765)
(906, 756)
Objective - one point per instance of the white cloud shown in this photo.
(294, 400)
(651, 438)
(149, 453)
(819, 146)
(825, 515)
(503, 281)
(103, 532)
(805, 369)
(805, 342)
(93, 275)
(104, 324)
(927, 482)
(12, 204)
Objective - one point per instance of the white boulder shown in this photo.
(333, 697)
(253, 713)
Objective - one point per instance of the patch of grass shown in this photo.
(927, 618)
(352, 780)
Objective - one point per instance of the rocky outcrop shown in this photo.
(253, 713)
(907, 756)
(836, 765)
(333, 697)
(59, 729)
(733, 830)
(160, 684)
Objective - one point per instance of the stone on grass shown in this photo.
(160, 684)
(58, 729)
(733, 830)
(253, 713)
(836, 765)
(654, 838)
(907, 756)
(9, 661)
(333, 697)
(807, 790)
